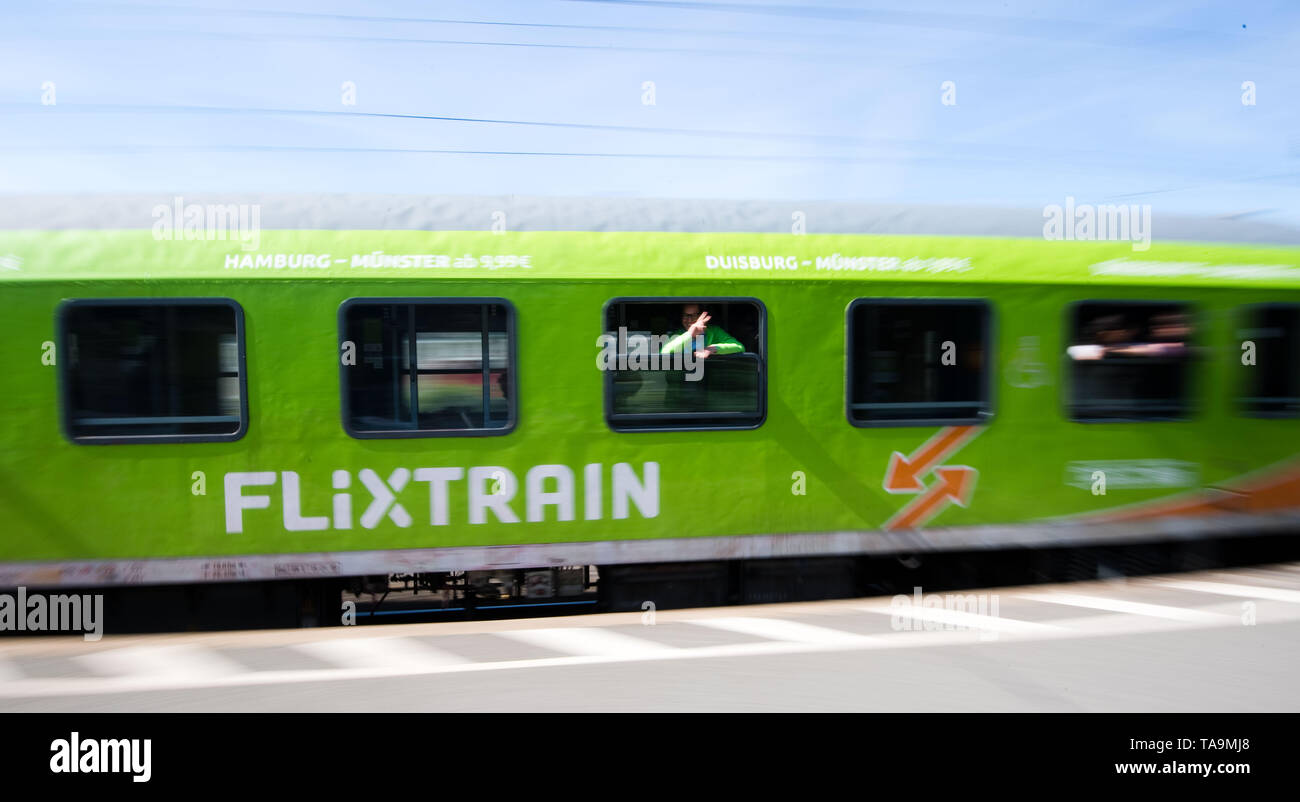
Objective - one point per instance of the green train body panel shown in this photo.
(64, 501)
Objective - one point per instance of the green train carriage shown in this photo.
(195, 410)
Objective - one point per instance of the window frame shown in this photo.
(982, 417)
(512, 374)
(607, 378)
(1239, 396)
(65, 371)
(1194, 313)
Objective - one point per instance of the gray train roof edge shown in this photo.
(355, 211)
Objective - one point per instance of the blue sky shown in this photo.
(1106, 102)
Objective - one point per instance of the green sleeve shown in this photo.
(675, 344)
(724, 342)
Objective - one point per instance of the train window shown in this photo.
(1129, 361)
(427, 367)
(654, 378)
(153, 370)
(918, 362)
(1269, 360)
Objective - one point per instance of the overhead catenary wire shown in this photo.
(998, 153)
(151, 8)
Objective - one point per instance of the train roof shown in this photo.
(395, 237)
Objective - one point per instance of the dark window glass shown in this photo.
(145, 370)
(1271, 386)
(452, 388)
(1130, 361)
(918, 362)
(655, 381)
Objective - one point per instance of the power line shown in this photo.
(101, 108)
(987, 151)
(820, 56)
(1086, 32)
(270, 13)
(150, 149)
(948, 162)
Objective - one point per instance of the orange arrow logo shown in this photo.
(903, 475)
(956, 484)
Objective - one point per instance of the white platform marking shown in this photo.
(1128, 607)
(384, 653)
(179, 661)
(960, 618)
(1230, 589)
(587, 642)
(781, 630)
(181, 666)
